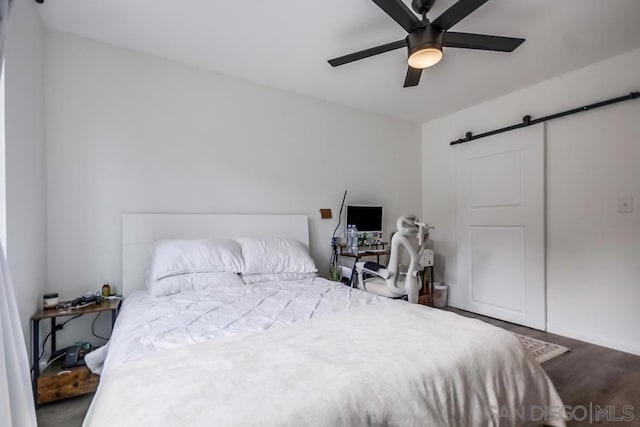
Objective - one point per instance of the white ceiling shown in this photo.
(285, 44)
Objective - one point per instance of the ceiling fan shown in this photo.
(426, 39)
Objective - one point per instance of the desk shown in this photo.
(360, 255)
(365, 254)
(109, 305)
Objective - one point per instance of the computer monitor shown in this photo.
(365, 218)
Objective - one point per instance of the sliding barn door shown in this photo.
(499, 216)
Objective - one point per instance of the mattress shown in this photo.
(153, 324)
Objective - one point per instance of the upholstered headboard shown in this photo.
(140, 231)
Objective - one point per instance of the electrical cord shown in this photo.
(93, 324)
(46, 338)
(60, 326)
(333, 261)
(60, 356)
(340, 214)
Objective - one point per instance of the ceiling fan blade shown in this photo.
(400, 13)
(413, 77)
(367, 53)
(481, 41)
(457, 13)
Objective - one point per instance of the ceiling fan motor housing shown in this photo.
(430, 36)
(422, 6)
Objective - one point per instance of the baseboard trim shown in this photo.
(593, 339)
(581, 336)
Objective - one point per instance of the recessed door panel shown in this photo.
(489, 188)
(497, 267)
(499, 223)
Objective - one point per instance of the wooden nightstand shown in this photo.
(55, 382)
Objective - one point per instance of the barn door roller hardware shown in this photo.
(528, 120)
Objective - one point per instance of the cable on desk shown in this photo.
(44, 342)
(93, 324)
(60, 326)
(60, 356)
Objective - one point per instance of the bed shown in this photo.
(302, 351)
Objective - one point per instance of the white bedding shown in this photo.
(149, 324)
(389, 364)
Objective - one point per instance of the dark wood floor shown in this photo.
(587, 375)
(64, 413)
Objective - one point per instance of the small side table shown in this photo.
(109, 305)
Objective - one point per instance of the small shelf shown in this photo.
(56, 382)
(48, 313)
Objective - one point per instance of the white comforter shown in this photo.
(393, 363)
(149, 324)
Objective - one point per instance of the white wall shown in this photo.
(3, 174)
(25, 157)
(127, 132)
(593, 273)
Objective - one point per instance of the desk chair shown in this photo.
(390, 282)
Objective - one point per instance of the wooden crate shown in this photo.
(57, 383)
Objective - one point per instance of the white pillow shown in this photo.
(171, 257)
(250, 279)
(193, 282)
(275, 255)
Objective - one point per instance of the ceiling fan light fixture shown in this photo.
(425, 47)
(425, 57)
(425, 38)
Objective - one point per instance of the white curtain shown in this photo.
(16, 397)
